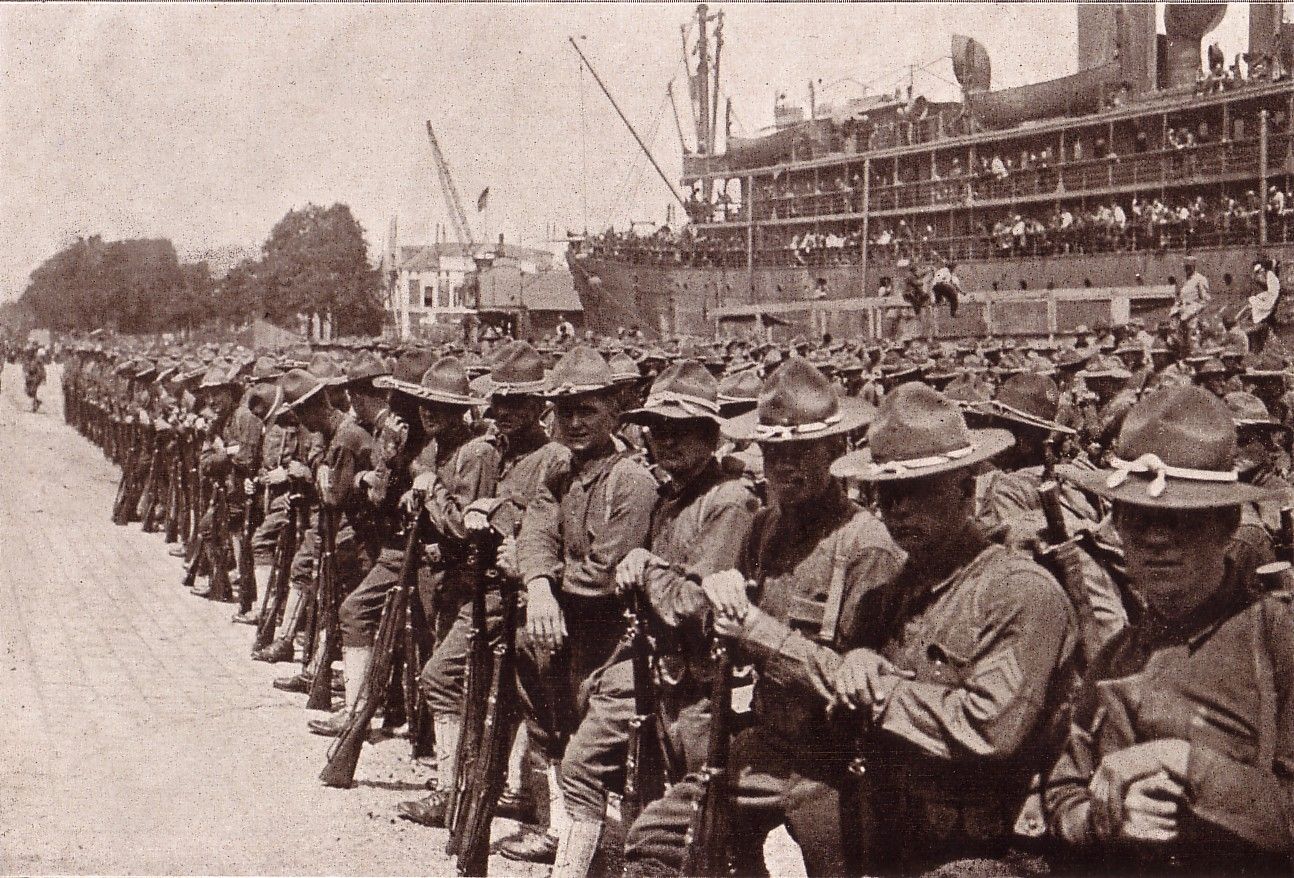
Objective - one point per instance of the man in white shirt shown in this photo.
(1262, 303)
(1192, 298)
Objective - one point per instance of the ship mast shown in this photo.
(702, 81)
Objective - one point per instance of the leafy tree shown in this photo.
(315, 263)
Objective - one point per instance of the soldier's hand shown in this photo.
(866, 678)
(726, 592)
(276, 476)
(1120, 769)
(544, 622)
(323, 478)
(506, 560)
(298, 470)
(629, 572)
(425, 481)
(249, 487)
(1150, 809)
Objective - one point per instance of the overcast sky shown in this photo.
(206, 123)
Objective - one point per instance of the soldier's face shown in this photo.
(437, 419)
(682, 446)
(921, 513)
(516, 414)
(585, 423)
(799, 472)
(1175, 557)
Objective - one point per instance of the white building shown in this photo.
(437, 283)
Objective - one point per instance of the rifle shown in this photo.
(174, 491)
(218, 546)
(276, 590)
(490, 771)
(648, 756)
(343, 755)
(325, 612)
(708, 839)
(246, 568)
(148, 494)
(123, 506)
(417, 642)
(1068, 570)
(476, 682)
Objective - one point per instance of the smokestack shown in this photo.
(1264, 23)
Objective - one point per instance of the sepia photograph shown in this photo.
(646, 439)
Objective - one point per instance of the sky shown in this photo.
(206, 123)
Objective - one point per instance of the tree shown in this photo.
(315, 264)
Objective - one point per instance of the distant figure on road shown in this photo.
(33, 373)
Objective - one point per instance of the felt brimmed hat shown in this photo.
(517, 369)
(581, 370)
(1108, 368)
(1028, 399)
(919, 432)
(798, 403)
(1264, 365)
(298, 386)
(265, 369)
(218, 374)
(365, 366)
(1250, 412)
(444, 383)
(1176, 450)
(324, 367)
(684, 391)
(624, 369)
(1074, 358)
(739, 392)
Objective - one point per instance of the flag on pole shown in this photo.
(483, 199)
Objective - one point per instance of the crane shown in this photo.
(453, 204)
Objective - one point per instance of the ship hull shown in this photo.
(1086, 289)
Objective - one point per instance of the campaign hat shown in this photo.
(685, 390)
(798, 403)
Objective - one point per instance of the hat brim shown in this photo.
(568, 391)
(852, 414)
(671, 411)
(516, 388)
(861, 466)
(1178, 493)
(426, 394)
(1003, 412)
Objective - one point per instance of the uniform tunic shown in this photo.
(813, 569)
(1220, 681)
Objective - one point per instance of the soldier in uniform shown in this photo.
(700, 522)
(573, 534)
(812, 554)
(494, 476)
(965, 655)
(1180, 757)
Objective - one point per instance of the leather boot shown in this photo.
(253, 616)
(280, 650)
(530, 845)
(332, 726)
(431, 811)
(299, 683)
(576, 848)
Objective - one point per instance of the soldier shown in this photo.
(1192, 298)
(1181, 750)
(812, 554)
(573, 534)
(700, 522)
(965, 656)
(33, 374)
(510, 465)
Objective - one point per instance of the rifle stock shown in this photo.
(246, 567)
(326, 610)
(489, 772)
(476, 684)
(1066, 566)
(646, 760)
(343, 756)
(221, 588)
(276, 590)
(708, 842)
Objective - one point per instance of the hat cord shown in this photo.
(901, 467)
(1152, 463)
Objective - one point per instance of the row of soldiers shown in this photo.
(972, 615)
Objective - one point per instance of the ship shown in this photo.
(1060, 205)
